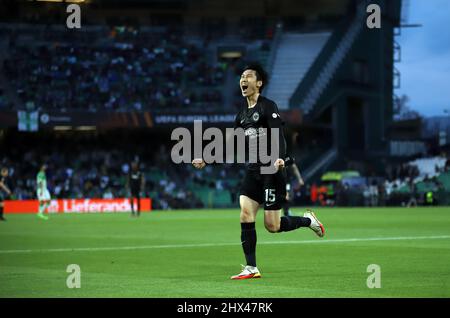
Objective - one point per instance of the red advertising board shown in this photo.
(76, 205)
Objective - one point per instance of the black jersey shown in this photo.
(253, 120)
(135, 180)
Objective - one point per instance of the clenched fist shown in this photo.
(279, 164)
(198, 163)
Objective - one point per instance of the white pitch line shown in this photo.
(143, 247)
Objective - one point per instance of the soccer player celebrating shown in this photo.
(42, 192)
(135, 183)
(5, 192)
(257, 188)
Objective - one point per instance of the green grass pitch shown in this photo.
(181, 254)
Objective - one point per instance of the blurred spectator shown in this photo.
(133, 71)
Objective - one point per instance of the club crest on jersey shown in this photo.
(275, 115)
(255, 116)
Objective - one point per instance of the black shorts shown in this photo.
(269, 189)
(135, 193)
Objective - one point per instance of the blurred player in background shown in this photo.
(43, 194)
(135, 184)
(292, 169)
(5, 192)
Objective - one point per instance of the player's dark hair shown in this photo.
(261, 74)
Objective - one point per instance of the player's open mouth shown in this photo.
(244, 87)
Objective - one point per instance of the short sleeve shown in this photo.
(272, 115)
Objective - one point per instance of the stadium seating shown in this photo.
(295, 54)
(119, 73)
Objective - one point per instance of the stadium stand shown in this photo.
(114, 72)
(121, 66)
(295, 54)
(97, 167)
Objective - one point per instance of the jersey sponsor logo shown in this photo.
(253, 132)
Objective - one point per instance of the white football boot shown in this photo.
(247, 272)
(315, 225)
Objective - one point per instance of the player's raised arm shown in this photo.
(297, 174)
